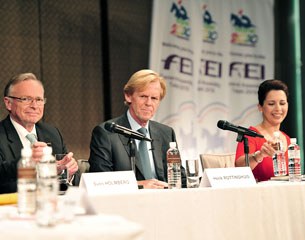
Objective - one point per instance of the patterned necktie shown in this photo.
(143, 152)
(32, 138)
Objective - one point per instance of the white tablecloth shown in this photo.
(101, 227)
(266, 211)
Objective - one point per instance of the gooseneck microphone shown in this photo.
(115, 128)
(224, 125)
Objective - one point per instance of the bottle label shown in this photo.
(173, 159)
(291, 154)
(279, 164)
(28, 173)
(297, 154)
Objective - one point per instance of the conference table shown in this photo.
(268, 210)
(81, 226)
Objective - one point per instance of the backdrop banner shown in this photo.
(213, 55)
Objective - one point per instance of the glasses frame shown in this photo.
(29, 100)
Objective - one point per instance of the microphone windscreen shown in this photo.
(109, 126)
(221, 124)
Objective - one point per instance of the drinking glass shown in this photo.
(192, 173)
(62, 173)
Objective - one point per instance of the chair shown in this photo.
(217, 160)
(83, 165)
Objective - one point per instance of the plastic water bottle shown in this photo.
(26, 183)
(173, 166)
(294, 161)
(47, 189)
(279, 158)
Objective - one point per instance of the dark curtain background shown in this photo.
(85, 51)
(289, 40)
(59, 41)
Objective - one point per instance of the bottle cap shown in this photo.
(26, 152)
(172, 144)
(276, 134)
(47, 150)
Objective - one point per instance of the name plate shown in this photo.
(227, 177)
(108, 182)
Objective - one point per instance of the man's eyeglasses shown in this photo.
(29, 100)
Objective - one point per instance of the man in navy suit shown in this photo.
(24, 100)
(111, 151)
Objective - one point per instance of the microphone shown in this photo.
(240, 130)
(115, 128)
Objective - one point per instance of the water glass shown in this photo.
(192, 173)
(62, 173)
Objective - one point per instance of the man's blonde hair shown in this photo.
(140, 80)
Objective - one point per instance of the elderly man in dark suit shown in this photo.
(24, 100)
(111, 151)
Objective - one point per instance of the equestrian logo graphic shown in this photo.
(209, 26)
(244, 32)
(181, 27)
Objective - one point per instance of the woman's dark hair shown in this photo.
(266, 86)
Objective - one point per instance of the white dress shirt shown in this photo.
(22, 132)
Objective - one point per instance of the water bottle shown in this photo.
(173, 166)
(294, 161)
(47, 189)
(26, 183)
(279, 158)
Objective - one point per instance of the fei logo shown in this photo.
(244, 30)
(181, 27)
(209, 26)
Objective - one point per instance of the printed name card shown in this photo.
(108, 182)
(227, 177)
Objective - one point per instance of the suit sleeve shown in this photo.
(100, 151)
(57, 141)
(8, 168)
(8, 174)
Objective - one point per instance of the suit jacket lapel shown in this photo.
(125, 141)
(15, 143)
(40, 136)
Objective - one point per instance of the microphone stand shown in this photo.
(132, 156)
(241, 137)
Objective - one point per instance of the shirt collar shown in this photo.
(133, 123)
(21, 130)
